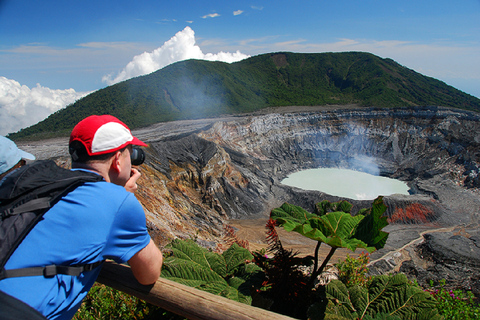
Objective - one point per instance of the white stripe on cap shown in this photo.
(110, 136)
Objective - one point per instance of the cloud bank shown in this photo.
(21, 106)
(179, 47)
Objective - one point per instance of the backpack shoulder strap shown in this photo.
(26, 194)
(39, 179)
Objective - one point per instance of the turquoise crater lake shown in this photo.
(345, 183)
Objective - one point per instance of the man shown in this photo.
(94, 222)
(11, 157)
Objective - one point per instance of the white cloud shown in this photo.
(211, 15)
(179, 47)
(21, 106)
(237, 12)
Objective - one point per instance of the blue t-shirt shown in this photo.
(96, 221)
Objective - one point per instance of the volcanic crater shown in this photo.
(202, 175)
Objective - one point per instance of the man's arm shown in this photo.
(146, 264)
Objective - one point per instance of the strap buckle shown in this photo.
(50, 271)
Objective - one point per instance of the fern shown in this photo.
(235, 258)
(188, 251)
(229, 274)
(386, 297)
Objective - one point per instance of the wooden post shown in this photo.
(180, 299)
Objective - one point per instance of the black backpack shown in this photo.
(25, 195)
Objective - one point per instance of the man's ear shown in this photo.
(116, 161)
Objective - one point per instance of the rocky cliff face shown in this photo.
(199, 174)
(232, 168)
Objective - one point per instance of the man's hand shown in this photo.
(131, 184)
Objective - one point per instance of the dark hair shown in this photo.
(79, 153)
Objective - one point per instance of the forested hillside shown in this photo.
(196, 88)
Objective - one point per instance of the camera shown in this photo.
(137, 157)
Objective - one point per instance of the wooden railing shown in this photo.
(180, 299)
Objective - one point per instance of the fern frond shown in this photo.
(195, 266)
(190, 251)
(386, 297)
(234, 257)
(338, 292)
(187, 269)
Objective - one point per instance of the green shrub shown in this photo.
(455, 304)
(103, 302)
(337, 229)
(290, 286)
(353, 271)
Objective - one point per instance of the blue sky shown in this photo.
(53, 52)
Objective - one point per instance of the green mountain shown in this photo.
(197, 88)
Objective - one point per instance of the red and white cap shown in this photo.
(103, 134)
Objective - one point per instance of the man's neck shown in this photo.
(96, 166)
